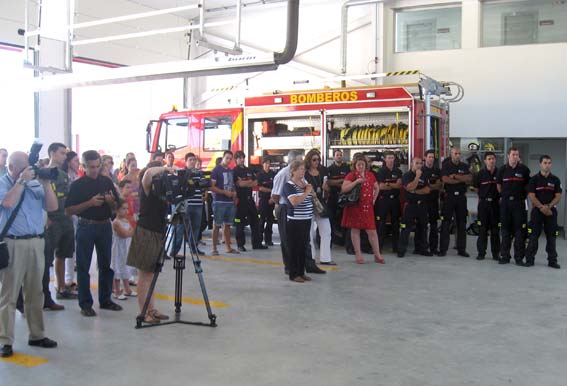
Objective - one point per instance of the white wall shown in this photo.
(513, 91)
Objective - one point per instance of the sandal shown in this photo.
(359, 260)
(157, 315)
(215, 253)
(151, 320)
(233, 251)
(379, 260)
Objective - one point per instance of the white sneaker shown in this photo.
(132, 294)
(119, 297)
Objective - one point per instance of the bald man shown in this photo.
(25, 243)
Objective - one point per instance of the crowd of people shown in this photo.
(91, 205)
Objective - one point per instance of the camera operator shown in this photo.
(59, 232)
(92, 198)
(146, 247)
(193, 206)
(25, 244)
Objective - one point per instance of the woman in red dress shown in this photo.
(361, 215)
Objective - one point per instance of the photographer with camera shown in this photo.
(59, 232)
(146, 247)
(193, 205)
(92, 198)
(20, 192)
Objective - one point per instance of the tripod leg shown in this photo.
(198, 270)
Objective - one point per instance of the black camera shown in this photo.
(50, 174)
(174, 188)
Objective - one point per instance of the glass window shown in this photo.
(218, 132)
(420, 29)
(173, 134)
(506, 23)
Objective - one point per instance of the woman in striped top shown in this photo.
(297, 193)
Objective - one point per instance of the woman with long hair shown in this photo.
(361, 215)
(316, 176)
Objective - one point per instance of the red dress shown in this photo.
(361, 215)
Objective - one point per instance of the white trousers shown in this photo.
(324, 226)
(25, 269)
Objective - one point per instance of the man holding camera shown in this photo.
(193, 206)
(92, 198)
(25, 243)
(245, 180)
(59, 232)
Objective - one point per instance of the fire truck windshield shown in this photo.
(174, 133)
(217, 133)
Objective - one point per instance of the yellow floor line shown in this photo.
(199, 302)
(25, 360)
(255, 261)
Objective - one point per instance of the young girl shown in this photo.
(122, 235)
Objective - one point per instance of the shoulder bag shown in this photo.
(4, 254)
(349, 198)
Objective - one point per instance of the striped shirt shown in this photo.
(303, 211)
(195, 176)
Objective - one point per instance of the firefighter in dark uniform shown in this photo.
(432, 174)
(512, 180)
(389, 179)
(245, 180)
(337, 172)
(544, 191)
(456, 176)
(267, 205)
(415, 211)
(488, 208)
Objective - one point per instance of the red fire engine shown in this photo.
(370, 120)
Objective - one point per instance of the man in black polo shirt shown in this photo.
(93, 197)
(245, 180)
(337, 172)
(432, 174)
(388, 203)
(544, 190)
(267, 205)
(456, 176)
(415, 211)
(488, 208)
(512, 181)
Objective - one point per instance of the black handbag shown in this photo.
(349, 198)
(4, 254)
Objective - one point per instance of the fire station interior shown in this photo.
(272, 78)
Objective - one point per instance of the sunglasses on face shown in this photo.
(315, 159)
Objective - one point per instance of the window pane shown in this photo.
(175, 134)
(506, 23)
(428, 29)
(218, 132)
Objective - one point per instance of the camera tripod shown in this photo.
(178, 217)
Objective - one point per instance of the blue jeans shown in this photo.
(88, 237)
(193, 215)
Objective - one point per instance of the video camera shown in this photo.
(50, 174)
(174, 188)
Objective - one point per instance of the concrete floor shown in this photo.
(412, 322)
